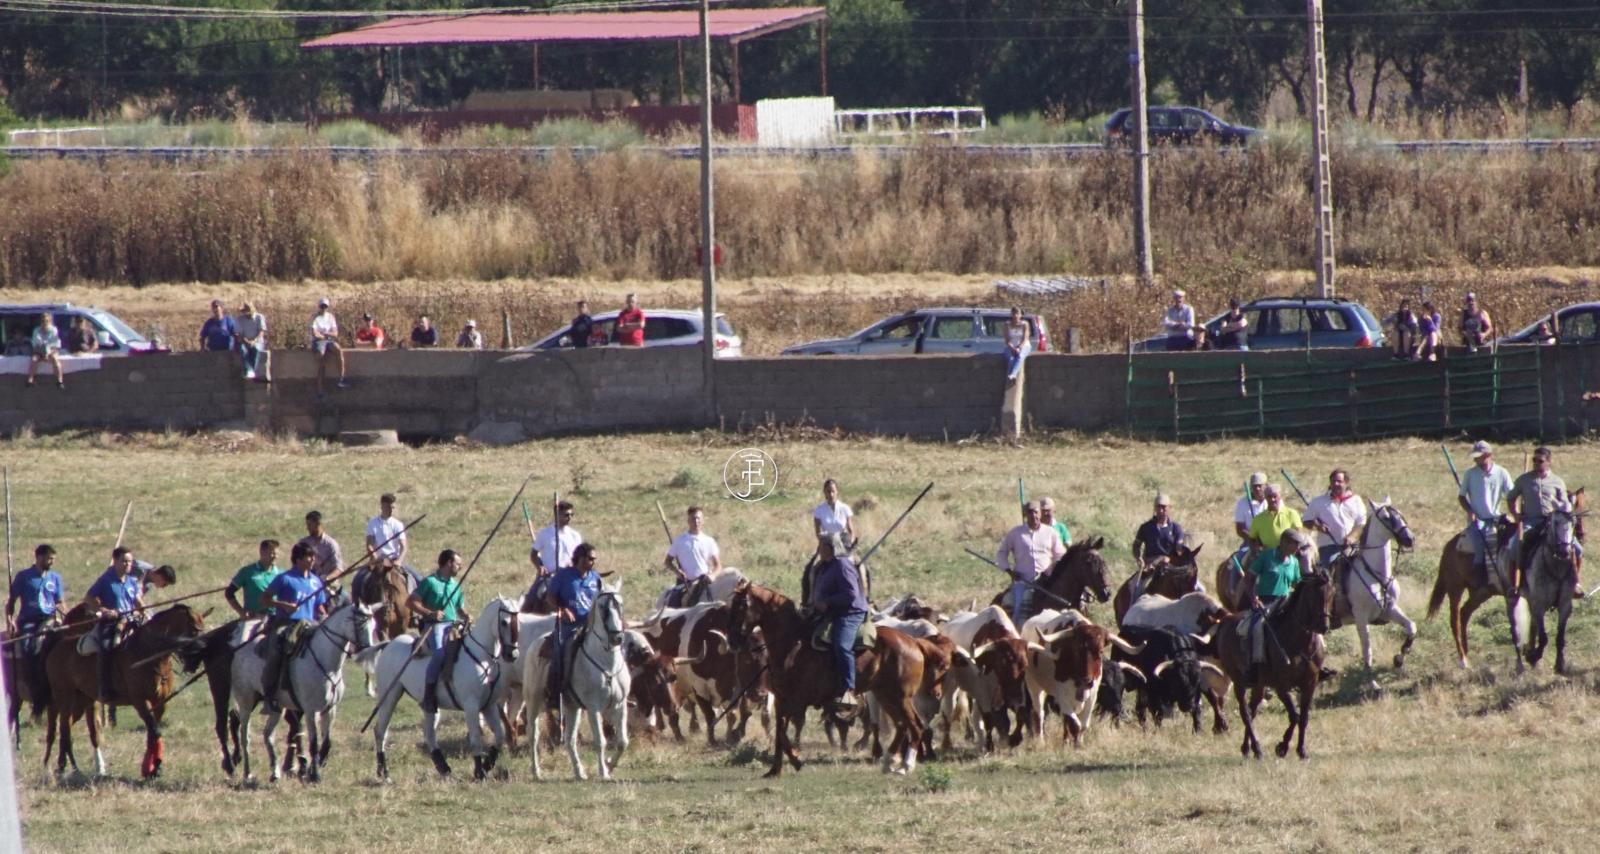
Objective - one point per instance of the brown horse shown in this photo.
(802, 677)
(1172, 579)
(1457, 579)
(1293, 652)
(1229, 579)
(1079, 577)
(143, 684)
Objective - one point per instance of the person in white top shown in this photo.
(1019, 343)
(1178, 323)
(833, 516)
(694, 557)
(386, 538)
(1339, 515)
(1248, 507)
(553, 550)
(325, 342)
(1028, 551)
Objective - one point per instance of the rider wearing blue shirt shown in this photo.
(297, 596)
(573, 590)
(41, 592)
(115, 597)
(836, 595)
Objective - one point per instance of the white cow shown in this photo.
(1048, 622)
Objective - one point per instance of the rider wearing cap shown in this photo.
(1158, 538)
(1484, 489)
(1338, 515)
(836, 595)
(1534, 496)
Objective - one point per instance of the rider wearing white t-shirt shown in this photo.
(552, 552)
(833, 516)
(1339, 515)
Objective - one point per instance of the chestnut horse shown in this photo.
(1457, 579)
(387, 588)
(1080, 576)
(141, 678)
(802, 677)
(1293, 651)
(1172, 579)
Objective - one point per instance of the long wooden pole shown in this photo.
(1145, 266)
(914, 502)
(122, 530)
(8, 527)
(708, 237)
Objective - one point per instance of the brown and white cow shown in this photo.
(1066, 667)
(709, 672)
(995, 684)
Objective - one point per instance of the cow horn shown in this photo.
(722, 642)
(1041, 652)
(1133, 671)
(982, 648)
(1161, 668)
(1204, 639)
(1206, 665)
(1124, 645)
(652, 619)
(1055, 636)
(679, 662)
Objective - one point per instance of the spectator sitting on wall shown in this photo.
(81, 338)
(1428, 331)
(630, 323)
(1178, 323)
(17, 344)
(250, 333)
(216, 334)
(424, 334)
(1231, 333)
(370, 336)
(1018, 344)
(582, 326)
(470, 338)
(1407, 331)
(1476, 327)
(46, 347)
(325, 343)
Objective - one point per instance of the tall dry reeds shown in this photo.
(1217, 215)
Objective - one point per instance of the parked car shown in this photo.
(116, 337)
(1290, 323)
(1574, 324)
(1179, 126)
(929, 330)
(662, 328)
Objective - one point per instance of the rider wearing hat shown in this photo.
(836, 595)
(1484, 489)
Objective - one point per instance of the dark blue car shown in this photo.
(1179, 126)
(1289, 323)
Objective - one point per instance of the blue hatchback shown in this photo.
(1289, 323)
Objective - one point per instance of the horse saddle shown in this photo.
(1252, 632)
(866, 636)
(533, 601)
(453, 637)
(89, 644)
(689, 594)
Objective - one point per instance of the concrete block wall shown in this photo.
(183, 392)
(413, 392)
(592, 390)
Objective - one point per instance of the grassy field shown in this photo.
(1445, 760)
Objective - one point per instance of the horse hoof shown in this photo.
(1282, 750)
(227, 766)
(1399, 662)
(314, 777)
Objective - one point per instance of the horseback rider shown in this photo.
(1534, 496)
(115, 597)
(573, 590)
(1026, 554)
(1271, 524)
(41, 592)
(1157, 540)
(1247, 508)
(552, 549)
(833, 516)
(386, 539)
(1269, 579)
(328, 557)
(297, 596)
(438, 599)
(253, 579)
(694, 557)
(1047, 517)
(1483, 493)
(836, 595)
(1339, 516)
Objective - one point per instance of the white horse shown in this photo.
(1548, 580)
(316, 680)
(1370, 586)
(475, 685)
(720, 588)
(597, 682)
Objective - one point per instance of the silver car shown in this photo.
(929, 330)
(662, 328)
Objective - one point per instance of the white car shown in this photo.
(116, 338)
(662, 328)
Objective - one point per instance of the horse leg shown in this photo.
(274, 714)
(570, 713)
(500, 728)
(380, 732)
(598, 730)
(475, 743)
(780, 744)
(93, 727)
(1458, 627)
(1399, 618)
(1563, 611)
(1285, 695)
(326, 716)
(1307, 693)
(310, 721)
(616, 715)
(1365, 633)
(1244, 717)
(430, 734)
(154, 747)
(535, 716)
(221, 719)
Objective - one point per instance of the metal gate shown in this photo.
(1182, 396)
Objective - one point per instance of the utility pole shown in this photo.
(708, 237)
(1319, 141)
(1141, 141)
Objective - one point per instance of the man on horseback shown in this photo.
(1026, 554)
(386, 539)
(836, 595)
(41, 592)
(298, 596)
(1270, 578)
(695, 557)
(1534, 496)
(115, 598)
(1272, 523)
(327, 557)
(554, 544)
(1483, 493)
(573, 590)
(252, 580)
(438, 599)
(1338, 516)
(1047, 517)
(1157, 540)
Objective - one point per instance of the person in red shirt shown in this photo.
(370, 335)
(630, 323)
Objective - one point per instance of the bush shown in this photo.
(356, 134)
(935, 778)
(8, 118)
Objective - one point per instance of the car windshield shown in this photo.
(725, 328)
(112, 324)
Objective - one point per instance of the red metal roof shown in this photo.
(735, 25)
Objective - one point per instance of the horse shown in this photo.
(802, 677)
(1293, 652)
(387, 588)
(1457, 578)
(1229, 579)
(21, 687)
(1548, 580)
(719, 588)
(1179, 575)
(141, 678)
(1080, 576)
(1371, 593)
(316, 682)
(475, 685)
(597, 682)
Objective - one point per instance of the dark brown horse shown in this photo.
(802, 677)
(1079, 577)
(1292, 653)
(387, 586)
(1171, 579)
(141, 678)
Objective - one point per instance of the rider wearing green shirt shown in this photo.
(438, 600)
(1274, 572)
(1047, 517)
(1269, 525)
(252, 580)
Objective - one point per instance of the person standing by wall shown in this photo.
(1231, 332)
(1178, 323)
(630, 323)
(1477, 329)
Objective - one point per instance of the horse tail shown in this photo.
(368, 658)
(1523, 615)
(1436, 598)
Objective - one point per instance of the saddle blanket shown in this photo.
(866, 637)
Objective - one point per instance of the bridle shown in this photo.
(346, 645)
(1398, 534)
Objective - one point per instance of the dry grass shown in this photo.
(1219, 215)
(1475, 760)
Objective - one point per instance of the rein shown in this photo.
(608, 675)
